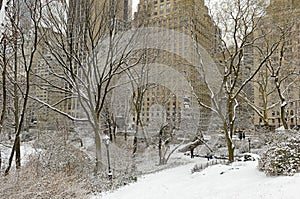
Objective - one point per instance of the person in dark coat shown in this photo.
(208, 156)
(192, 153)
(240, 135)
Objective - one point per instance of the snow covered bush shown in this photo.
(59, 168)
(28, 184)
(55, 154)
(282, 158)
(243, 147)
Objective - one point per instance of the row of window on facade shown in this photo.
(292, 120)
(156, 1)
(159, 113)
(291, 112)
(162, 12)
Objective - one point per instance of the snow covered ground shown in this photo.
(2, 10)
(240, 180)
(26, 150)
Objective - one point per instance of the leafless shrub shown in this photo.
(29, 184)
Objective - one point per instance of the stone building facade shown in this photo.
(284, 65)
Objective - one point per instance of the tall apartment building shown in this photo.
(98, 13)
(79, 13)
(281, 13)
(100, 16)
(46, 83)
(188, 16)
(192, 24)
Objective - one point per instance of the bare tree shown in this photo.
(3, 80)
(278, 75)
(23, 19)
(163, 121)
(238, 21)
(284, 70)
(140, 85)
(284, 79)
(90, 53)
(263, 85)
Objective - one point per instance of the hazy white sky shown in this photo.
(134, 5)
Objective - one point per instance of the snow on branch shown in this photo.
(57, 110)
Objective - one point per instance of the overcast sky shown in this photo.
(134, 5)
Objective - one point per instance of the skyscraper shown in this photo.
(84, 17)
(188, 22)
(284, 66)
(89, 21)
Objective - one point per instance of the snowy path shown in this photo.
(240, 181)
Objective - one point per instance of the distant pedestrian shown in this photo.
(240, 135)
(244, 136)
(192, 153)
(207, 157)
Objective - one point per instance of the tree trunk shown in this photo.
(0, 161)
(4, 93)
(135, 144)
(18, 152)
(229, 134)
(16, 107)
(230, 117)
(125, 132)
(160, 147)
(135, 141)
(10, 160)
(283, 116)
(115, 131)
(98, 148)
(19, 120)
(230, 147)
(283, 102)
